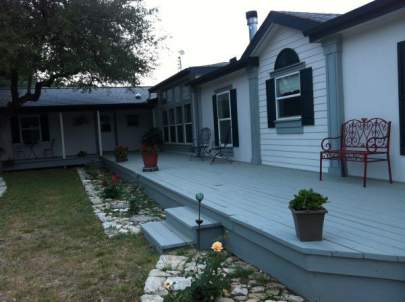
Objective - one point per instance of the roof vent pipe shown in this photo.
(251, 17)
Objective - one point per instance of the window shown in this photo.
(188, 124)
(105, 122)
(224, 118)
(186, 92)
(132, 120)
(288, 92)
(30, 129)
(165, 123)
(285, 58)
(179, 125)
(172, 126)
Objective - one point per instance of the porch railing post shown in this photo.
(100, 142)
(62, 135)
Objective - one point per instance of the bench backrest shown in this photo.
(356, 133)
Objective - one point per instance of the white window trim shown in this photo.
(175, 124)
(37, 116)
(219, 120)
(277, 99)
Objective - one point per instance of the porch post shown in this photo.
(62, 135)
(334, 82)
(99, 139)
(253, 75)
(196, 111)
(115, 128)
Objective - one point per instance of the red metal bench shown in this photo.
(365, 140)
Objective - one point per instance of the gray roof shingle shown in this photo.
(317, 17)
(78, 97)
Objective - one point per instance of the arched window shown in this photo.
(286, 58)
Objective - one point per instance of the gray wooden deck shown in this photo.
(367, 223)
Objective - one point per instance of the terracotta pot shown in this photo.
(150, 160)
(309, 224)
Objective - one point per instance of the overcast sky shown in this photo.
(211, 31)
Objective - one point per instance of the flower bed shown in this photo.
(121, 207)
(3, 186)
(217, 275)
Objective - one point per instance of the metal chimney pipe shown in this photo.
(251, 17)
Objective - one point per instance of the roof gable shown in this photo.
(297, 20)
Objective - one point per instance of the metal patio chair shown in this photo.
(202, 149)
(222, 151)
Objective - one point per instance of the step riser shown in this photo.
(180, 227)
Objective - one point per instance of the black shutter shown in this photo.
(271, 103)
(234, 112)
(307, 97)
(15, 130)
(214, 110)
(44, 127)
(401, 86)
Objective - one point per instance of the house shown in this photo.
(70, 126)
(300, 77)
(176, 112)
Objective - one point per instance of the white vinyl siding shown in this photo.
(299, 151)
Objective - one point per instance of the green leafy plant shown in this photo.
(121, 153)
(308, 200)
(207, 286)
(151, 140)
(242, 273)
(134, 206)
(113, 188)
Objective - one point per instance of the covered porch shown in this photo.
(364, 233)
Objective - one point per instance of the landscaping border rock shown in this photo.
(113, 213)
(3, 186)
(247, 284)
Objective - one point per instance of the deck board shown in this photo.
(364, 222)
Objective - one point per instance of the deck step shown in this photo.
(165, 237)
(188, 216)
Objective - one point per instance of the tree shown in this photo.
(83, 43)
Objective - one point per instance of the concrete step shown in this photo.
(165, 237)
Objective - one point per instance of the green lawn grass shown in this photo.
(52, 247)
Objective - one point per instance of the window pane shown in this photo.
(186, 92)
(189, 133)
(173, 134)
(180, 134)
(171, 116)
(29, 122)
(289, 107)
(288, 85)
(223, 105)
(187, 113)
(225, 132)
(132, 120)
(30, 136)
(105, 123)
(179, 115)
(166, 134)
(164, 118)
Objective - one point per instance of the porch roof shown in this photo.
(74, 98)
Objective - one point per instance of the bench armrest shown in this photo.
(376, 142)
(326, 143)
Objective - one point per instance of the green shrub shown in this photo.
(113, 189)
(308, 200)
(134, 206)
(207, 286)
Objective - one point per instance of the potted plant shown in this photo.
(121, 153)
(150, 144)
(308, 213)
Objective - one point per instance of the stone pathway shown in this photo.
(3, 186)
(113, 214)
(247, 283)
